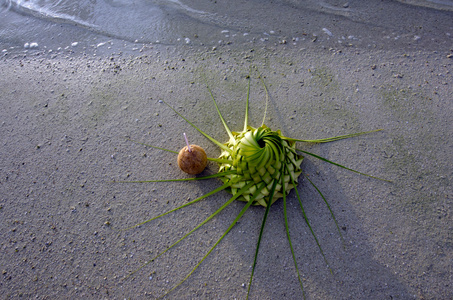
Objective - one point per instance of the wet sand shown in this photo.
(65, 126)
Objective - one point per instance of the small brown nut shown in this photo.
(192, 162)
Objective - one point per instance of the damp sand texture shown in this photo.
(65, 124)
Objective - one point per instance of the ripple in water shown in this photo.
(61, 23)
(142, 20)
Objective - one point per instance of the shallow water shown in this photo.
(111, 25)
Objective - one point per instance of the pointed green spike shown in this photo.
(289, 238)
(199, 130)
(341, 166)
(260, 236)
(220, 115)
(244, 209)
(335, 138)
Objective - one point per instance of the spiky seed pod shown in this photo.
(194, 161)
(257, 165)
(260, 154)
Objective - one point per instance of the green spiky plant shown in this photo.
(257, 166)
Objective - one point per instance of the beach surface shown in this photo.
(72, 125)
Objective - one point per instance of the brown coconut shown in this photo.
(192, 162)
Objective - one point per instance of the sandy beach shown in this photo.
(67, 122)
